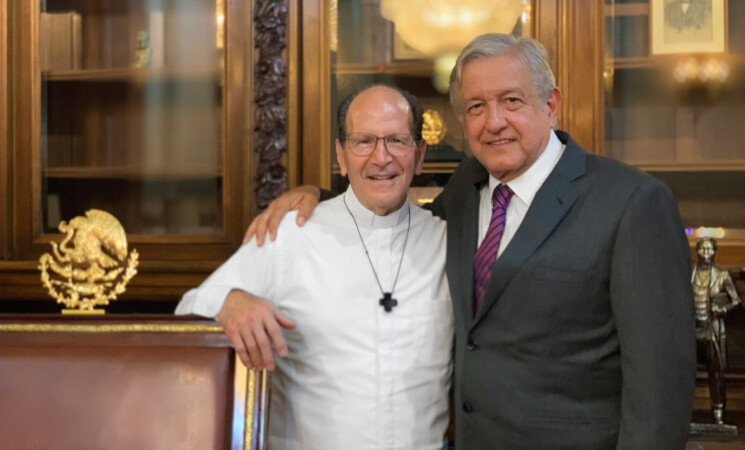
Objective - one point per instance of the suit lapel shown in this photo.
(551, 203)
(464, 223)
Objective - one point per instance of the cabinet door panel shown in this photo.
(134, 107)
(131, 103)
(675, 112)
(354, 44)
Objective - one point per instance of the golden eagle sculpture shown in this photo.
(90, 267)
(434, 128)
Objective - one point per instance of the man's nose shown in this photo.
(495, 120)
(380, 154)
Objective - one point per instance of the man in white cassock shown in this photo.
(361, 293)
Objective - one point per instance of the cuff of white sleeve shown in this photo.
(204, 301)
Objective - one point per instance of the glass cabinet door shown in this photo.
(131, 104)
(134, 107)
(365, 45)
(675, 100)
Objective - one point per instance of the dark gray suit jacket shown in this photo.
(585, 338)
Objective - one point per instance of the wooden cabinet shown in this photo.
(620, 99)
(352, 46)
(349, 44)
(673, 99)
(674, 112)
(131, 115)
(145, 110)
(187, 146)
(361, 49)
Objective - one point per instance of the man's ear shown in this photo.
(553, 104)
(421, 150)
(340, 158)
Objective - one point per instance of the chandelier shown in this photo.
(441, 28)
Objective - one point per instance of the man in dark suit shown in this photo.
(583, 335)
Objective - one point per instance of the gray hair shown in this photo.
(531, 52)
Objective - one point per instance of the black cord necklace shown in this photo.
(387, 301)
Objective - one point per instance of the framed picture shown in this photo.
(687, 26)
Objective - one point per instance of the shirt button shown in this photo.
(471, 345)
(467, 407)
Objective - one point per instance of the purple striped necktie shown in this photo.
(487, 251)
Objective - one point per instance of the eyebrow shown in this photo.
(509, 91)
(517, 91)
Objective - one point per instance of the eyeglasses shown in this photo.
(363, 144)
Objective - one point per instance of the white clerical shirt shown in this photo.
(355, 376)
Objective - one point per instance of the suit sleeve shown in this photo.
(327, 195)
(438, 206)
(652, 303)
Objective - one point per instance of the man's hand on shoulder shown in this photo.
(302, 199)
(253, 325)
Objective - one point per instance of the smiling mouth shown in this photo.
(381, 177)
(500, 142)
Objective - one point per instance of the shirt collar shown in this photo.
(526, 185)
(367, 219)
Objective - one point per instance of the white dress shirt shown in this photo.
(355, 376)
(524, 189)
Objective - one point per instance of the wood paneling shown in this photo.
(294, 77)
(25, 113)
(572, 32)
(580, 68)
(4, 137)
(546, 22)
(316, 95)
(235, 93)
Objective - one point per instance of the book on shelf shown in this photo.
(60, 37)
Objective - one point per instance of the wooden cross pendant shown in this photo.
(387, 302)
